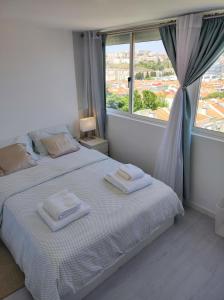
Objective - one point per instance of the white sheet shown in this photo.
(65, 261)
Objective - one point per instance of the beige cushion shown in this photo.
(14, 158)
(58, 145)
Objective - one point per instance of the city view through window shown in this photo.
(155, 84)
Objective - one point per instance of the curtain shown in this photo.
(198, 45)
(169, 165)
(168, 36)
(89, 69)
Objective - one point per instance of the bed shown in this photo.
(69, 263)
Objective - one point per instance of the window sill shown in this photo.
(208, 134)
(201, 132)
(136, 117)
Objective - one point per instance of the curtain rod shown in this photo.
(213, 16)
(158, 24)
(136, 28)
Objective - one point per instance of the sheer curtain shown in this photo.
(169, 165)
(198, 45)
(89, 69)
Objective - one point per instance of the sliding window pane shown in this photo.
(210, 111)
(117, 71)
(155, 82)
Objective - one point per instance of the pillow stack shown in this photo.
(17, 153)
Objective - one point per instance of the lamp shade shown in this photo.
(87, 124)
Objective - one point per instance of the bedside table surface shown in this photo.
(93, 142)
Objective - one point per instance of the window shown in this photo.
(140, 80)
(139, 76)
(210, 111)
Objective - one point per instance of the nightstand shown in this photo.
(96, 144)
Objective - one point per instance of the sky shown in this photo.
(154, 46)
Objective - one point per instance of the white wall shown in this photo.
(37, 78)
(137, 141)
(37, 89)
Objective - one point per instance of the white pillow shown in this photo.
(37, 135)
(23, 139)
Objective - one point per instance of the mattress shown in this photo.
(62, 263)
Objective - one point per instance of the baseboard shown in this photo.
(201, 209)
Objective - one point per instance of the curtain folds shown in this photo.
(170, 163)
(198, 44)
(209, 48)
(89, 68)
(168, 36)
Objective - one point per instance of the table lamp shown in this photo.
(87, 125)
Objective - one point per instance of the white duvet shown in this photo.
(60, 263)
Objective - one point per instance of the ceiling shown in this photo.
(99, 14)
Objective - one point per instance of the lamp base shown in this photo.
(89, 138)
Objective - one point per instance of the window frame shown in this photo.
(136, 116)
(202, 132)
(131, 84)
(131, 73)
(208, 133)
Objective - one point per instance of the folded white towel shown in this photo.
(61, 204)
(83, 210)
(128, 186)
(130, 172)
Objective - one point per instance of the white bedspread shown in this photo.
(60, 263)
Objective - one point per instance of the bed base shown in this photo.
(120, 262)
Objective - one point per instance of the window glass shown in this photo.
(117, 71)
(210, 110)
(155, 82)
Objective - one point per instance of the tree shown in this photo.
(214, 95)
(146, 100)
(152, 101)
(138, 103)
(159, 65)
(147, 75)
(162, 103)
(149, 99)
(168, 73)
(120, 102)
(139, 76)
(153, 73)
